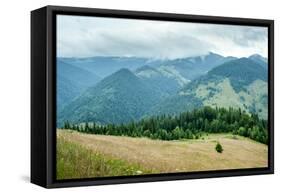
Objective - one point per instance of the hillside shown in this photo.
(240, 83)
(191, 68)
(241, 73)
(119, 98)
(189, 155)
(163, 82)
(71, 81)
(260, 60)
(76, 74)
(182, 70)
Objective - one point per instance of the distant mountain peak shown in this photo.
(216, 54)
(245, 63)
(257, 57)
(243, 59)
(124, 72)
(119, 77)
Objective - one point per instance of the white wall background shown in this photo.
(15, 95)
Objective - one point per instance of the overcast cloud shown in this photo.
(79, 36)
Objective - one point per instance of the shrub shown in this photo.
(178, 133)
(219, 148)
(243, 131)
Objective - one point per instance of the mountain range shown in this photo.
(110, 90)
(105, 66)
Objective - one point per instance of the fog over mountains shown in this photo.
(121, 89)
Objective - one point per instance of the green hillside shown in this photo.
(119, 98)
(240, 83)
(71, 82)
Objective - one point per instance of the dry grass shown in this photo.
(76, 161)
(176, 156)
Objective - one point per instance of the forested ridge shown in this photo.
(187, 125)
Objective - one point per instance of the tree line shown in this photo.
(187, 125)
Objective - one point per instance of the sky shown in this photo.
(84, 36)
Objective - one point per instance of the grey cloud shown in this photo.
(250, 36)
(89, 36)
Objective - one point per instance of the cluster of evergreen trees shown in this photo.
(187, 125)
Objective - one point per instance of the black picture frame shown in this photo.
(43, 95)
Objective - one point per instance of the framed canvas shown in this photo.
(128, 96)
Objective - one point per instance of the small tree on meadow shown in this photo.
(219, 148)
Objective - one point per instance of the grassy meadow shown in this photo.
(81, 155)
(77, 161)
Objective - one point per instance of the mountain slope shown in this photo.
(164, 83)
(240, 83)
(71, 81)
(192, 67)
(171, 75)
(119, 98)
(66, 91)
(241, 73)
(81, 77)
(260, 60)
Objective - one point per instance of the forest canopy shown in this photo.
(187, 125)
